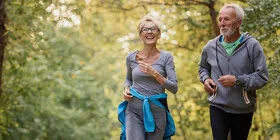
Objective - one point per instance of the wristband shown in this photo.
(154, 74)
(237, 81)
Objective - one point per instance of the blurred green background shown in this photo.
(64, 65)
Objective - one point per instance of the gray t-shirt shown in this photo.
(147, 85)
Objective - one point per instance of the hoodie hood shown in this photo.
(246, 37)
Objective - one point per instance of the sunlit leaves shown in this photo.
(65, 65)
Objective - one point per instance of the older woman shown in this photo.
(144, 113)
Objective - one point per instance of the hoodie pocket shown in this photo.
(245, 97)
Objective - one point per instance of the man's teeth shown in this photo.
(149, 37)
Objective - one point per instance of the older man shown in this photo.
(232, 68)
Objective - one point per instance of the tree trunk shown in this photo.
(213, 14)
(2, 38)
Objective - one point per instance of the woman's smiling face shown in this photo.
(149, 33)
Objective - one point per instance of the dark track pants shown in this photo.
(222, 122)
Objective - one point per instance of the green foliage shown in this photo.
(65, 66)
(275, 127)
(262, 21)
(52, 91)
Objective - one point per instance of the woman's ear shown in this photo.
(159, 35)
(140, 36)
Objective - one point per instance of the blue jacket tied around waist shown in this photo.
(149, 123)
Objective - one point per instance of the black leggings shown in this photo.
(222, 122)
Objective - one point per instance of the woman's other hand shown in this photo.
(126, 94)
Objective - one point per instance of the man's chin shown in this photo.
(227, 34)
(224, 34)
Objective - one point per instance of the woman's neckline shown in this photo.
(154, 62)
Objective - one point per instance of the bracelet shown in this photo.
(154, 74)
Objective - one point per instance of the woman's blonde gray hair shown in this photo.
(148, 18)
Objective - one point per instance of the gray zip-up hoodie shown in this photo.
(247, 62)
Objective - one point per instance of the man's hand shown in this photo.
(210, 86)
(227, 80)
(126, 94)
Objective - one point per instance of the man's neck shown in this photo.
(232, 38)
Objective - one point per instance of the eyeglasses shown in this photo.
(152, 29)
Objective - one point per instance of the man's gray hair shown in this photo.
(238, 9)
